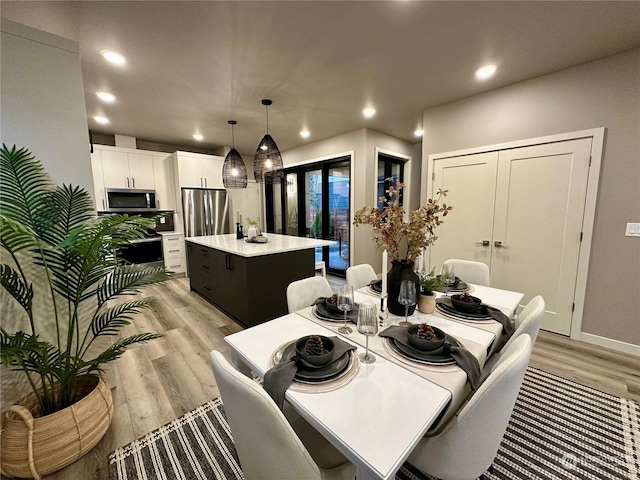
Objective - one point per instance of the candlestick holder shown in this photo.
(384, 315)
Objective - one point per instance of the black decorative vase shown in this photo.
(400, 270)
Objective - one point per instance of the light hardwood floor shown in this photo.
(155, 383)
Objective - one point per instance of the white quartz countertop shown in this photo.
(276, 244)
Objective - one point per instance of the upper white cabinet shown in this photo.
(116, 167)
(127, 170)
(194, 170)
(165, 184)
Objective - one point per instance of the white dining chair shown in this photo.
(361, 275)
(267, 445)
(302, 293)
(470, 272)
(529, 321)
(467, 446)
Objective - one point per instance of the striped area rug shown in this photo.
(558, 430)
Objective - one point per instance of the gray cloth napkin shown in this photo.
(463, 357)
(279, 377)
(498, 316)
(493, 312)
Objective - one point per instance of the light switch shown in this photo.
(633, 230)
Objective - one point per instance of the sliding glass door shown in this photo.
(314, 203)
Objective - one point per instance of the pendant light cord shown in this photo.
(267, 113)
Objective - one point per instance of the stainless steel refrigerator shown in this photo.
(206, 211)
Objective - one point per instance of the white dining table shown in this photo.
(377, 418)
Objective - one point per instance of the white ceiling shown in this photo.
(194, 65)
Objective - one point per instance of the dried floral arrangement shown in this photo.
(403, 240)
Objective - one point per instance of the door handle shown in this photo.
(205, 182)
(500, 245)
(103, 204)
(133, 180)
(484, 243)
(128, 186)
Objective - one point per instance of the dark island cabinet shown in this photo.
(250, 289)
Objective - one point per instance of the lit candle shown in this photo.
(238, 216)
(385, 260)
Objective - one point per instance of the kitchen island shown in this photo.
(249, 280)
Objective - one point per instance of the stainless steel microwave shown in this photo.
(129, 200)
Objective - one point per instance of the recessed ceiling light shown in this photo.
(198, 137)
(418, 133)
(106, 97)
(113, 57)
(369, 112)
(486, 72)
(102, 120)
(305, 133)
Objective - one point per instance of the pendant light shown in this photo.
(267, 163)
(234, 173)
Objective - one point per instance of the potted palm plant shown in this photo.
(60, 277)
(429, 283)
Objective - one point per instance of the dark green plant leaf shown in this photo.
(13, 283)
(24, 185)
(117, 349)
(14, 236)
(71, 207)
(110, 321)
(129, 280)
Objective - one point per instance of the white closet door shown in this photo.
(539, 209)
(471, 182)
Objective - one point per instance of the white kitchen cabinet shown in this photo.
(98, 181)
(173, 252)
(195, 170)
(127, 170)
(141, 171)
(164, 182)
(212, 172)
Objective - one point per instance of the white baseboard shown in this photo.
(609, 343)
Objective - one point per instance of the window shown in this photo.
(389, 167)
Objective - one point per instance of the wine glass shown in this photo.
(345, 303)
(407, 297)
(367, 325)
(449, 275)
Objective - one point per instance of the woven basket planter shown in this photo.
(31, 447)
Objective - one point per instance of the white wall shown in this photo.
(43, 105)
(605, 93)
(43, 110)
(363, 143)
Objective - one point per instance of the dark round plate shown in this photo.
(433, 356)
(320, 374)
(459, 286)
(377, 286)
(322, 312)
(445, 307)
